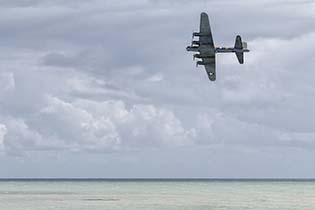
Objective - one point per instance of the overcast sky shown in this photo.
(105, 88)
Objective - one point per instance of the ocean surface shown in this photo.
(157, 194)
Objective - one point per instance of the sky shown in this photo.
(106, 89)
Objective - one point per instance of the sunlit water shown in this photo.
(157, 195)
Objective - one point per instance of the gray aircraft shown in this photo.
(207, 50)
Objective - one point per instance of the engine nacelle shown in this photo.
(201, 56)
(200, 63)
(192, 48)
(199, 34)
(195, 43)
(196, 34)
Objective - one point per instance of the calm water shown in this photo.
(157, 195)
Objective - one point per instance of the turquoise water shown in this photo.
(157, 195)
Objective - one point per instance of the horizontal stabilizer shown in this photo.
(240, 57)
(239, 45)
(244, 44)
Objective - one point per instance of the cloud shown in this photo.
(108, 76)
(96, 126)
(275, 83)
(20, 138)
(3, 132)
(7, 81)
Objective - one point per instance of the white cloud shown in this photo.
(7, 81)
(3, 132)
(20, 138)
(156, 78)
(76, 127)
(96, 126)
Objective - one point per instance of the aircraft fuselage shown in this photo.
(206, 49)
(229, 50)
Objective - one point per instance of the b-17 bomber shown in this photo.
(207, 50)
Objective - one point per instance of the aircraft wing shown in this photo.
(205, 30)
(210, 67)
(207, 46)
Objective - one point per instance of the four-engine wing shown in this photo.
(205, 31)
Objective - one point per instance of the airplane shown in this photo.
(207, 50)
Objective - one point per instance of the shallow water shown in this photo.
(157, 195)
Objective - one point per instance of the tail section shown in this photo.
(240, 57)
(239, 46)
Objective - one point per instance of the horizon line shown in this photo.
(150, 179)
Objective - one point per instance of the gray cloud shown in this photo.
(112, 77)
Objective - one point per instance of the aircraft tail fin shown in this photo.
(240, 45)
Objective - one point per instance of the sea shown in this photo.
(156, 194)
